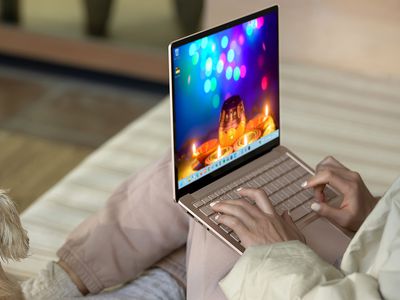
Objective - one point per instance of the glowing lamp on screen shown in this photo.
(194, 150)
(204, 150)
(221, 152)
(269, 123)
(263, 122)
(232, 122)
(246, 139)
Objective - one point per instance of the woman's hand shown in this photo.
(256, 224)
(357, 200)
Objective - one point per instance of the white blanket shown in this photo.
(370, 267)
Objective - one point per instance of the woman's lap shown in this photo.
(139, 227)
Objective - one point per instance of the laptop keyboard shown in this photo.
(281, 180)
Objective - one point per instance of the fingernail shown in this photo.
(239, 189)
(213, 203)
(217, 217)
(304, 184)
(315, 206)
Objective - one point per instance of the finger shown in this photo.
(235, 224)
(329, 164)
(319, 192)
(336, 178)
(330, 160)
(288, 219)
(335, 214)
(252, 210)
(234, 210)
(260, 197)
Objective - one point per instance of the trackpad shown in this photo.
(326, 240)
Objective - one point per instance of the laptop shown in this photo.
(224, 92)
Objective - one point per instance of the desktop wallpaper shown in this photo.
(226, 93)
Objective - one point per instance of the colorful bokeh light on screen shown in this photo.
(226, 91)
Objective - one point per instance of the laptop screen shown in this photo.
(225, 95)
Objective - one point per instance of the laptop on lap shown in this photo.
(224, 92)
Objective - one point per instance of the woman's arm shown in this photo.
(291, 270)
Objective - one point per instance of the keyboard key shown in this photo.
(281, 208)
(233, 194)
(292, 164)
(267, 189)
(224, 197)
(254, 184)
(225, 228)
(307, 205)
(292, 203)
(277, 198)
(207, 210)
(206, 200)
(213, 218)
(198, 204)
(329, 194)
(235, 237)
(267, 177)
(274, 173)
(298, 213)
(296, 201)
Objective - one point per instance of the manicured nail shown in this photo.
(239, 189)
(217, 217)
(315, 206)
(213, 203)
(304, 184)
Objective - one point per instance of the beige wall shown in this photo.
(358, 36)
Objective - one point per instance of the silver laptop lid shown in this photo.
(224, 90)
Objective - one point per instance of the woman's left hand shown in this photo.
(256, 224)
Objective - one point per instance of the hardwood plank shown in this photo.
(31, 165)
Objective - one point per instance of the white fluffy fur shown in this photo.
(14, 245)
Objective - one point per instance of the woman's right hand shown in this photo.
(357, 200)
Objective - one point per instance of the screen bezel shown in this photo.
(226, 169)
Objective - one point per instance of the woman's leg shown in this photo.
(208, 261)
(139, 225)
(153, 284)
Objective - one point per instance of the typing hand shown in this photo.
(357, 200)
(257, 224)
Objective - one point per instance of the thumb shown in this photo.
(288, 219)
(335, 214)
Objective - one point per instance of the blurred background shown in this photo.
(73, 73)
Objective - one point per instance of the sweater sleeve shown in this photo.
(291, 270)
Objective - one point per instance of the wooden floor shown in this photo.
(49, 123)
(31, 165)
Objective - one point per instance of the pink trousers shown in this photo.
(140, 227)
